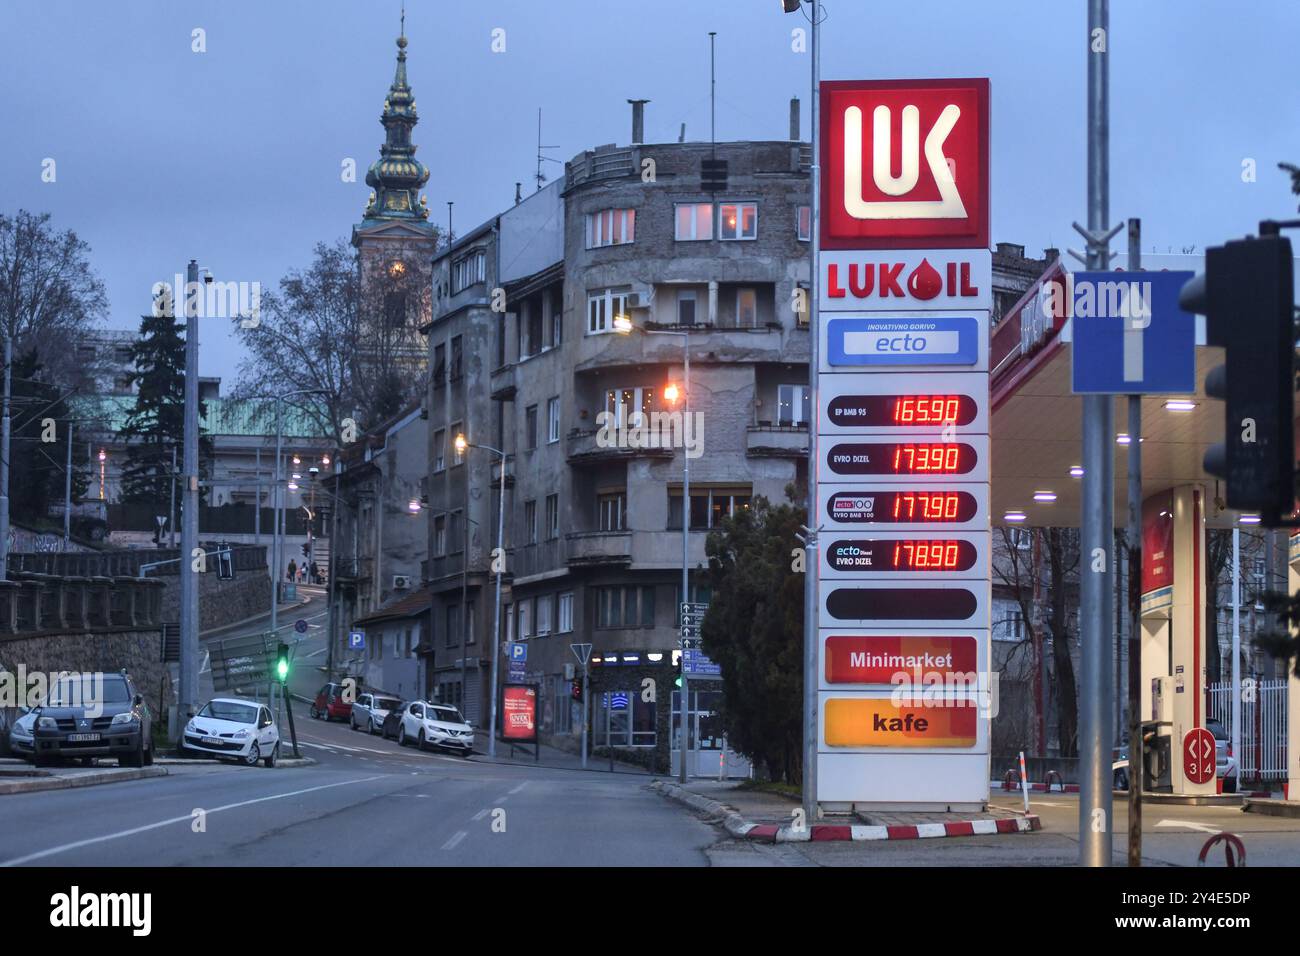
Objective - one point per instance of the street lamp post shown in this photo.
(623, 325)
(498, 560)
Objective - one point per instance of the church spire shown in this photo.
(396, 177)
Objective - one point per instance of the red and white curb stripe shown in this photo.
(743, 829)
(1034, 787)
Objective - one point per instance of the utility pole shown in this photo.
(686, 558)
(4, 459)
(189, 663)
(1135, 756)
(171, 513)
(1097, 538)
(67, 492)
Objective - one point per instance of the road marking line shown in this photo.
(455, 840)
(78, 844)
(1191, 826)
(480, 815)
(520, 787)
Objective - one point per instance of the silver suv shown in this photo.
(93, 715)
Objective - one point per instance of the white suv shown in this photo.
(435, 725)
(369, 711)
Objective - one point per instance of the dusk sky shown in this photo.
(233, 156)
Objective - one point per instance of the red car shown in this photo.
(330, 705)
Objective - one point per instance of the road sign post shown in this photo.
(583, 653)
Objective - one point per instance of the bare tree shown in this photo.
(49, 294)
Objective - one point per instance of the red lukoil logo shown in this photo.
(886, 280)
(905, 164)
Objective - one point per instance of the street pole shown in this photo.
(686, 558)
(275, 523)
(333, 582)
(171, 514)
(1236, 647)
(189, 663)
(1135, 757)
(67, 492)
(586, 697)
(810, 605)
(1097, 521)
(4, 458)
(464, 589)
(498, 560)
(257, 510)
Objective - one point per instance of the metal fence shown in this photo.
(1263, 720)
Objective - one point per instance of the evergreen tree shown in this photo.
(39, 445)
(156, 425)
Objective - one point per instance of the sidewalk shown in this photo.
(17, 776)
(771, 817)
(552, 758)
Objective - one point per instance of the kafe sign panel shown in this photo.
(905, 164)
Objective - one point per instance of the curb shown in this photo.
(1271, 807)
(201, 761)
(90, 779)
(743, 829)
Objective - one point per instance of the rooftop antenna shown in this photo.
(713, 90)
(450, 235)
(541, 177)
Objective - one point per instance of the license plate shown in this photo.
(82, 738)
(212, 741)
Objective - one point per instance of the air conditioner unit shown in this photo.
(401, 582)
(640, 300)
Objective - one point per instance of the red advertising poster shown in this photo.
(519, 712)
(1158, 542)
(905, 164)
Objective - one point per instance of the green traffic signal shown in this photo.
(282, 663)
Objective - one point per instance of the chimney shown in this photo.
(518, 194)
(794, 119)
(1051, 254)
(638, 121)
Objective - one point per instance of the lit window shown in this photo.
(602, 308)
(804, 227)
(694, 221)
(792, 405)
(611, 227)
(738, 220)
(746, 308)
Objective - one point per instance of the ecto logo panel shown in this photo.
(906, 164)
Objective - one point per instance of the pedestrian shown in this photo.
(293, 570)
(315, 573)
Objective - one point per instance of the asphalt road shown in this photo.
(368, 807)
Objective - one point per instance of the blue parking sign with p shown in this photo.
(518, 652)
(357, 640)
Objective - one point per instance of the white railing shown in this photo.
(1263, 724)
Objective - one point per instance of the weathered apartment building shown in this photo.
(527, 360)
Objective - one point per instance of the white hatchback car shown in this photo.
(435, 725)
(230, 727)
(369, 711)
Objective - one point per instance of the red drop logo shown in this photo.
(925, 281)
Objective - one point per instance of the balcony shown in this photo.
(534, 559)
(599, 548)
(502, 383)
(585, 446)
(354, 570)
(776, 441)
(709, 343)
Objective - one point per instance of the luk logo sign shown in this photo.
(906, 164)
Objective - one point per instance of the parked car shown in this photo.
(393, 721)
(1225, 763)
(435, 725)
(329, 703)
(21, 742)
(370, 710)
(94, 715)
(231, 727)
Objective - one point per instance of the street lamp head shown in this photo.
(103, 455)
(325, 460)
(671, 393)
(622, 324)
(461, 444)
(297, 460)
(790, 6)
(413, 506)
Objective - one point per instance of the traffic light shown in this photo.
(306, 549)
(577, 688)
(1246, 295)
(282, 663)
(677, 669)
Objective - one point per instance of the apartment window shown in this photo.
(792, 404)
(468, 270)
(553, 419)
(800, 306)
(738, 220)
(552, 517)
(804, 228)
(557, 316)
(457, 456)
(685, 306)
(625, 606)
(694, 221)
(453, 625)
(508, 615)
(626, 406)
(530, 522)
(610, 509)
(439, 450)
(610, 227)
(440, 535)
(709, 506)
(439, 366)
(564, 607)
(602, 307)
(530, 326)
(530, 427)
(544, 605)
(457, 357)
(746, 308)
(525, 620)
(469, 623)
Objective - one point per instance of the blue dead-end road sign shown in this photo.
(1129, 335)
